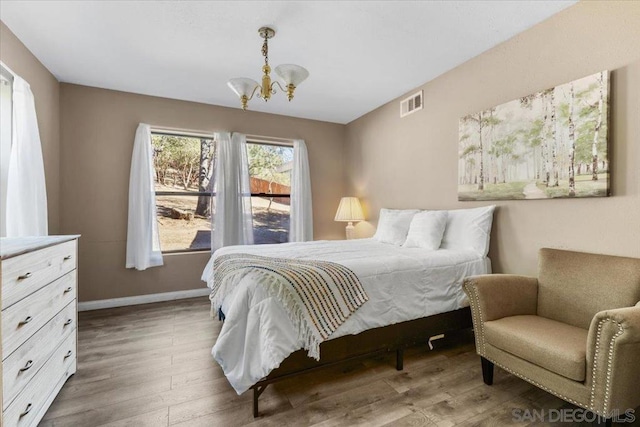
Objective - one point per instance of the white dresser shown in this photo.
(38, 324)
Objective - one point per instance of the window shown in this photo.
(270, 174)
(184, 167)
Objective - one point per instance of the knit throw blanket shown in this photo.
(317, 295)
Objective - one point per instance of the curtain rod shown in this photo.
(7, 69)
(195, 133)
(6, 75)
(270, 139)
(181, 132)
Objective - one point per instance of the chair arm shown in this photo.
(494, 296)
(613, 355)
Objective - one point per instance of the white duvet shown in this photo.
(402, 284)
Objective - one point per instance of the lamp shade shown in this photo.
(292, 74)
(242, 86)
(349, 210)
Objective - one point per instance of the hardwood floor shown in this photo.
(150, 365)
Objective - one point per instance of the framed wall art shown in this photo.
(550, 144)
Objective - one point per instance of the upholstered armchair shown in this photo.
(574, 331)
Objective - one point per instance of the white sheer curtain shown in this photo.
(143, 240)
(301, 222)
(26, 205)
(232, 219)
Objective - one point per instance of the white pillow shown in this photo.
(469, 229)
(393, 225)
(426, 230)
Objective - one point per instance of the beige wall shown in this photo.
(98, 128)
(87, 137)
(46, 91)
(412, 162)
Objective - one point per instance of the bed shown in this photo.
(412, 292)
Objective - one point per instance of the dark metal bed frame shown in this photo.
(367, 343)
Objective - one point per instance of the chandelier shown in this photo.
(290, 74)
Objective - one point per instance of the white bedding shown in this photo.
(402, 284)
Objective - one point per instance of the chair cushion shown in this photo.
(550, 344)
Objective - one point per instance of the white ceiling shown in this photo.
(360, 54)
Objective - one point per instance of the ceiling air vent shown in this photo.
(411, 104)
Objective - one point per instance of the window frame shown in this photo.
(286, 144)
(196, 194)
(202, 135)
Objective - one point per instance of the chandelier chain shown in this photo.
(265, 51)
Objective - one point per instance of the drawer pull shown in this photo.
(67, 258)
(69, 353)
(69, 289)
(27, 410)
(24, 276)
(27, 366)
(25, 321)
(68, 322)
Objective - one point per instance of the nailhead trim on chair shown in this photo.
(611, 350)
(476, 314)
(539, 385)
(595, 366)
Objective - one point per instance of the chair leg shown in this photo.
(487, 371)
(399, 359)
(604, 422)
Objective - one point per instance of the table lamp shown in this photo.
(349, 211)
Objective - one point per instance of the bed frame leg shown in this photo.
(399, 359)
(257, 391)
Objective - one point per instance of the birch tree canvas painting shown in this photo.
(550, 144)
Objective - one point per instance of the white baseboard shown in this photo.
(142, 299)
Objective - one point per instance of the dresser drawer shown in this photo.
(25, 317)
(25, 274)
(24, 410)
(28, 359)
